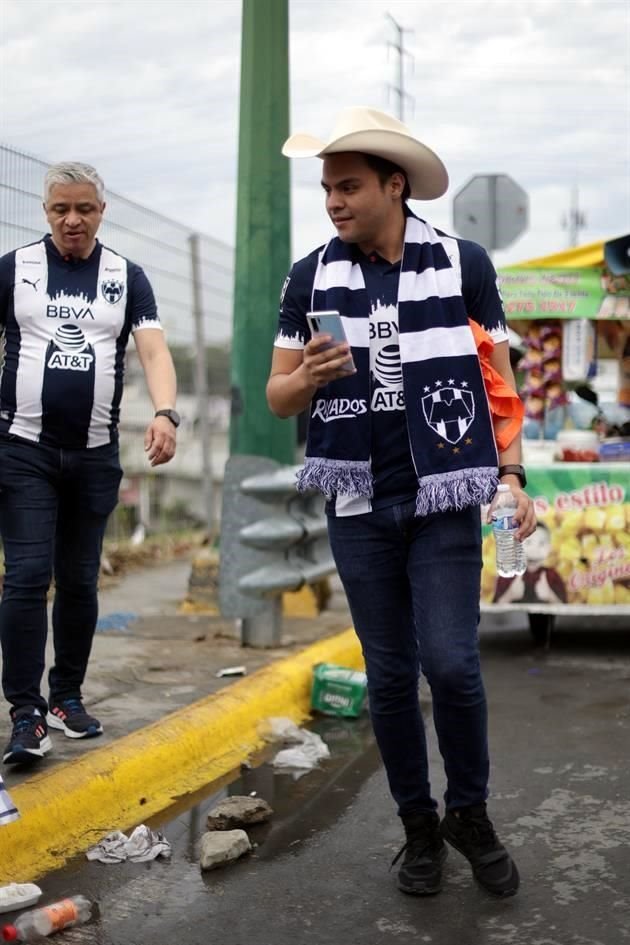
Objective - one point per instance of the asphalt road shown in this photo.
(560, 740)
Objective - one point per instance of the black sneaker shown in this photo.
(70, 717)
(421, 871)
(470, 831)
(29, 739)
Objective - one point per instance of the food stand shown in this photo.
(572, 315)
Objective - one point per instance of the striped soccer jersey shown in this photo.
(66, 325)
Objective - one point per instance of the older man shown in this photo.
(68, 305)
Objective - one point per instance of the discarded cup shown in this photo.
(18, 896)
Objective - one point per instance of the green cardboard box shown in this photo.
(338, 691)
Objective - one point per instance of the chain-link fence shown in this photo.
(160, 245)
(164, 249)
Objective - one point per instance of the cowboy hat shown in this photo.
(373, 132)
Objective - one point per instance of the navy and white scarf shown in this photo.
(448, 417)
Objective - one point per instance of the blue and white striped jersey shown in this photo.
(66, 325)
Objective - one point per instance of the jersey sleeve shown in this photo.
(295, 302)
(480, 290)
(142, 308)
(7, 279)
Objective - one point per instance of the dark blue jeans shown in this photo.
(413, 586)
(54, 506)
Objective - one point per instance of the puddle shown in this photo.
(303, 810)
(302, 806)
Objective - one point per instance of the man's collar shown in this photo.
(66, 257)
(371, 258)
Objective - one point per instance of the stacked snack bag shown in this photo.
(543, 391)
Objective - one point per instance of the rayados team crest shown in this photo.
(112, 290)
(449, 412)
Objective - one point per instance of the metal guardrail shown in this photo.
(157, 243)
(273, 540)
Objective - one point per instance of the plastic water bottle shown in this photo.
(510, 551)
(48, 919)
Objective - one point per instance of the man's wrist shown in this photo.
(513, 471)
(170, 413)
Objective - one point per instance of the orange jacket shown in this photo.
(506, 407)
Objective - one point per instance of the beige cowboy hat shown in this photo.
(373, 132)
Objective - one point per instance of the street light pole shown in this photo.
(263, 236)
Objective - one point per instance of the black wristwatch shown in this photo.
(172, 415)
(514, 469)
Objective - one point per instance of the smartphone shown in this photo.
(330, 323)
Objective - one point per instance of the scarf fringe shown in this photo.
(458, 489)
(335, 476)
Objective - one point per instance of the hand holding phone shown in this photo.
(330, 323)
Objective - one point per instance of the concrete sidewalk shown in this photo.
(171, 725)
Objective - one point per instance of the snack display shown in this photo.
(577, 446)
(543, 390)
(571, 311)
(587, 532)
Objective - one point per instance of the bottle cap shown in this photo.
(503, 487)
(10, 933)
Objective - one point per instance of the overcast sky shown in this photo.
(147, 90)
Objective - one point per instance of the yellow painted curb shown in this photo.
(68, 808)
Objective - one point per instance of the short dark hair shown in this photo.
(385, 169)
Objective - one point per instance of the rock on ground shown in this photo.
(238, 811)
(218, 848)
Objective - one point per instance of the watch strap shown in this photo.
(514, 469)
(169, 412)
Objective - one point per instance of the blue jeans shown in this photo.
(54, 506)
(413, 587)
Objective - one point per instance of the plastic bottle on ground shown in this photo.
(510, 552)
(30, 926)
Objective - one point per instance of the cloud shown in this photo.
(149, 92)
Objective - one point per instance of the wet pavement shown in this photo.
(149, 658)
(560, 734)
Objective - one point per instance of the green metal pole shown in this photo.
(263, 248)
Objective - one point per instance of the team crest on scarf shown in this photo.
(449, 411)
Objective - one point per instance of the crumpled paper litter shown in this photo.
(143, 844)
(309, 748)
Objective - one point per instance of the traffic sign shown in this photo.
(491, 209)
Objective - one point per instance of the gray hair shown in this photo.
(73, 172)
